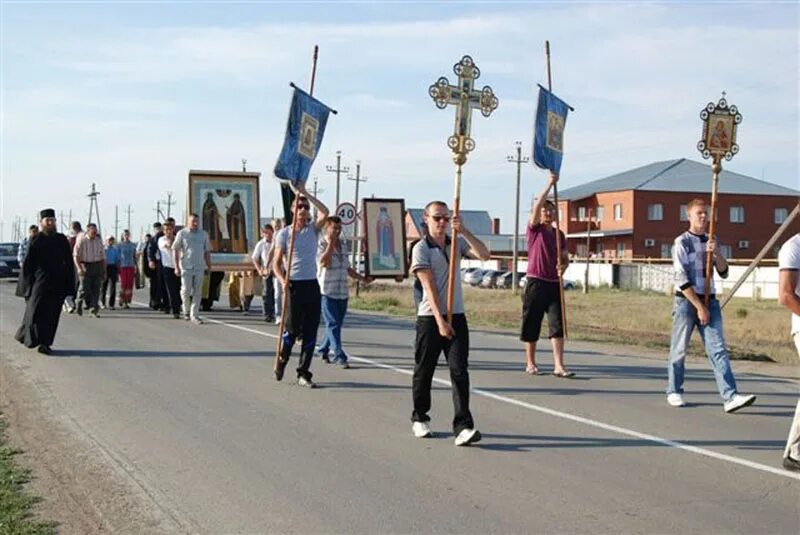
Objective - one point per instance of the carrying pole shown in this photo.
(558, 223)
(716, 168)
(285, 295)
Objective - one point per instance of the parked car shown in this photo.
(506, 280)
(473, 278)
(489, 279)
(567, 284)
(8, 255)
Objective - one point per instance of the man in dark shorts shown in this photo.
(434, 335)
(303, 305)
(542, 293)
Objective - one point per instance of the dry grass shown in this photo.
(755, 330)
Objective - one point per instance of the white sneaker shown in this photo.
(277, 320)
(421, 429)
(675, 400)
(467, 437)
(197, 321)
(738, 402)
(308, 383)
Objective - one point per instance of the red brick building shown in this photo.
(638, 213)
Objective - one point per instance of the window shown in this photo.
(620, 248)
(737, 214)
(744, 244)
(601, 212)
(684, 213)
(599, 248)
(780, 215)
(655, 212)
(617, 212)
(666, 250)
(726, 251)
(649, 242)
(581, 213)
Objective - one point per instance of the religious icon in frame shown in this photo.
(384, 233)
(227, 203)
(720, 122)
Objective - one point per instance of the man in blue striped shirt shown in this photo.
(689, 311)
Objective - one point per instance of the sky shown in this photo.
(132, 95)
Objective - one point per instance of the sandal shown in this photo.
(564, 374)
(533, 370)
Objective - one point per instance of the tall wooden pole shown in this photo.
(459, 159)
(558, 222)
(285, 296)
(716, 168)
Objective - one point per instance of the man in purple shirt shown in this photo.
(542, 293)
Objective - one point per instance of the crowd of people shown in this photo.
(297, 294)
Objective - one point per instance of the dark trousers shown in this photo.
(541, 297)
(428, 346)
(302, 321)
(158, 299)
(269, 297)
(110, 285)
(91, 281)
(172, 289)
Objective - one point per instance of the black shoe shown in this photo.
(176, 315)
(791, 464)
(45, 350)
(270, 319)
(280, 366)
(79, 310)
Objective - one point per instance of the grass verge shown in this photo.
(16, 505)
(754, 330)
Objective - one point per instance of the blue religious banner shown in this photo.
(548, 141)
(304, 130)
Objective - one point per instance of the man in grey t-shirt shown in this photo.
(302, 312)
(192, 250)
(430, 263)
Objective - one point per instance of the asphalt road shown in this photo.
(193, 418)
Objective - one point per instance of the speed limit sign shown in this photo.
(346, 212)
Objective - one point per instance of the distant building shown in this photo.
(481, 224)
(638, 213)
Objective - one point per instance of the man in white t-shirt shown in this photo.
(262, 260)
(789, 296)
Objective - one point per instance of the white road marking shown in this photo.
(563, 415)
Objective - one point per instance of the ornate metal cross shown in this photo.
(465, 98)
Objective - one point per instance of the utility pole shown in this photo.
(358, 179)
(129, 218)
(94, 208)
(244, 165)
(519, 160)
(338, 170)
(159, 213)
(169, 202)
(116, 221)
(316, 192)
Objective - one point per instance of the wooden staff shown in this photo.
(775, 237)
(285, 296)
(716, 168)
(459, 159)
(558, 224)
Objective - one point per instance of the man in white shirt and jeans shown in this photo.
(789, 296)
(262, 260)
(192, 251)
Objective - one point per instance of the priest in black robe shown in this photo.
(49, 276)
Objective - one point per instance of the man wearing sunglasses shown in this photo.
(430, 263)
(304, 300)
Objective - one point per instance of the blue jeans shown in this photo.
(278, 297)
(333, 310)
(684, 320)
